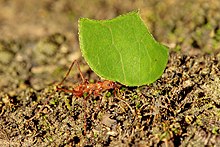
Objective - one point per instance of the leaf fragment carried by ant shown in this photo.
(122, 49)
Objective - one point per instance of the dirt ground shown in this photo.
(38, 42)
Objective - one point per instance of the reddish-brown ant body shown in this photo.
(85, 86)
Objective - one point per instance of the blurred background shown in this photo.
(39, 39)
(171, 21)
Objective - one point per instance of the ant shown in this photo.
(87, 88)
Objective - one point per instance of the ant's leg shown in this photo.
(67, 74)
(82, 77)
(74, 92)
(70, 68)
(85, 113)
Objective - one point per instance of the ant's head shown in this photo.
(109, 84)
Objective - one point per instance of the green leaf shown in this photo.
(122, 49)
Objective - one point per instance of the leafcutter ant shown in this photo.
(85, 86)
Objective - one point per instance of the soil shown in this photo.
(38, 42)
